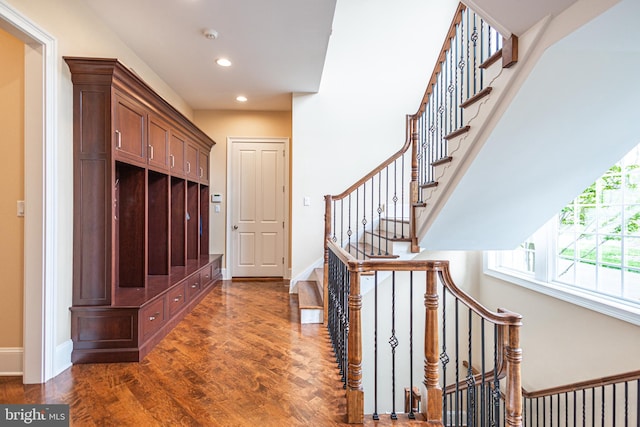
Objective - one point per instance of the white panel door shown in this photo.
(257, 215)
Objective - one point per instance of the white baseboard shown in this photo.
(62, 358)
(11, 361)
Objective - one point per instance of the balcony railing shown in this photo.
(452, 328)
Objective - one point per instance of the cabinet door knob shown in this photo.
(235, 227)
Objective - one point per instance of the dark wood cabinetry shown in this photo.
(141, 214)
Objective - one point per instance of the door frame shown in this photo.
(41, 199)
(287, 199)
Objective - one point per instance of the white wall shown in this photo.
(379, 60)
(562, 343)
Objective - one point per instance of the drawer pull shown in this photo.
(178, 298)
(195, 285)
(118, 139)
(154, 316)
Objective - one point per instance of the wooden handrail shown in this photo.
(508, 353)
(598, 382)
(457, 18)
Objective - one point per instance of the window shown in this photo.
(590, 251)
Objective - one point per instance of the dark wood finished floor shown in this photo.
(241, 358)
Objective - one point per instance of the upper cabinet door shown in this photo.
(176, 154)
(191, 163)
(129, 130)
(158, 146)
(203, 168)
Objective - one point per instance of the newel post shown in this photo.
(514, 380)
(431, 360)
(355, 393)
(325, 266)
(413, 185)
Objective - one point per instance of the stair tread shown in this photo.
(382, 235)
(308, 295)
(369, 252)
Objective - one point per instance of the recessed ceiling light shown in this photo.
(241, 98)
(223, 62)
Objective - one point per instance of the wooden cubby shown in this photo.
(141, 214)
(158, 224)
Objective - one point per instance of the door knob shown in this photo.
(235, 227)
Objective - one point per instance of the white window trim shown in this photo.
(600, 303)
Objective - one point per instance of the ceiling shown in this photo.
(277, 47)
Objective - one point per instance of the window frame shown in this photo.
(542, 279)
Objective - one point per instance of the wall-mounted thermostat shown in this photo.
(216, 198)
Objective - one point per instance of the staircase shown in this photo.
(385, 214)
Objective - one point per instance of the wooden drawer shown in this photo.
(177, 299)
(193, 286)
(215, 268)
(206, 275)
(152, 317)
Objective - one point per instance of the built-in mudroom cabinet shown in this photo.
(141, 257)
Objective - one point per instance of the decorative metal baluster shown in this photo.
(482, 49)
(411, 414)
(402, 198)
(380, 217)
(349, 232)
(474, 39)
(613, 411)
(637, 402)
(457, 351)
(375, 348)
(593, 406)
(471, 384)
(395, 198)
(483, 397)
(393, 342)
(467, 61)
(602, 411)
(461, 66)
(496, 381)
(386, 223)
(626, 404)
(444, 357)
(584, 408)
(357, 221)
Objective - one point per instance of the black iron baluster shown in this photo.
(375, 347)
(395, 198)
(411, 414)
(593, 406)
(457, 351)
(393, 342)
(357, 221)
(364, 221)
(496, 381)
(444, 358)
(602, 412)
(474, 39)
(402, 199)
(584, 408)
(349, 232)
(613, 415)
(380, 217)
(461, 66)
(386, 222)
(483, 396)
(470, 379)
(626, 404)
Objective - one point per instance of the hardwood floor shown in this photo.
(241, 358)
